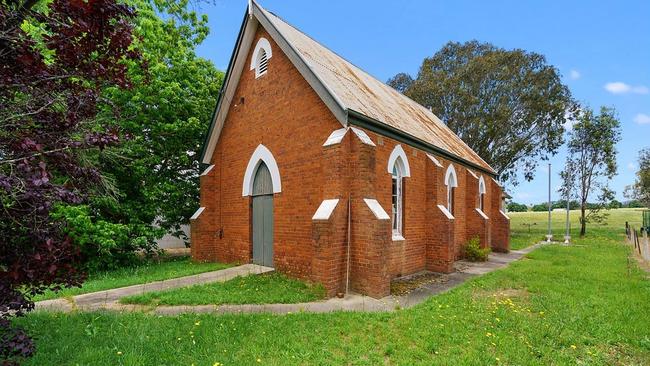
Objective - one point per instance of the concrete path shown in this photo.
(109, 299)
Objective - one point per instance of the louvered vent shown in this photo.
(262, 62)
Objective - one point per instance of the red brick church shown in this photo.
(327, 174)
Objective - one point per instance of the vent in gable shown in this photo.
(261, 57)
(262, 63)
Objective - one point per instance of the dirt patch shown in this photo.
(506, 293)
(404, 285)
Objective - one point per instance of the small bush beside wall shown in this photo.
(474, 252)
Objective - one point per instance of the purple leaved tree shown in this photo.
(55, 59)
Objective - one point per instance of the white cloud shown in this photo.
(619, 87)
(574, 75)
(642, 119)
(631, 166)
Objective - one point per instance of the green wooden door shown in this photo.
(263, 217)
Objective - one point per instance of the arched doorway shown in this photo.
(262, 216)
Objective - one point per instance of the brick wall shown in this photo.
(280, 111)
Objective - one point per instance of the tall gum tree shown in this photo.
(509, 106)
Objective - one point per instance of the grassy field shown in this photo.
(531, 227)
(582, 304)
(146, 272)
(271, 288)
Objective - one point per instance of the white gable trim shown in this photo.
(472, 174)
(398, 152)
(451, 171)
(434, 160)
(336, 137)
(376, 209)
(197, 213)
(261, 153)
(324, 211)
(363, 136)
(480, 212)
(207, 170)
(446, 212)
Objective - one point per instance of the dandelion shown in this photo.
(488, 334)
(217, 364)
(573, 346)
(498, 359)
(119, 353)
(197, 323)
(259, 360)
(541, 313)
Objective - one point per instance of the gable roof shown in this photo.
(353, 96)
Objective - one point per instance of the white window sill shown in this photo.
(398, 237)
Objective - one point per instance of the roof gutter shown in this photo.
(361, 120)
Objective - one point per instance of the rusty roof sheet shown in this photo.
(359, 91)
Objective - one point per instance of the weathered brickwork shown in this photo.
(282, 112)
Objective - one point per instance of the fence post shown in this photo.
(646, 247)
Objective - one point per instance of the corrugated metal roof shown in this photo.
(361, 92)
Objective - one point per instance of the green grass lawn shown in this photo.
(582, 304)
(527, 228)
(146, 272)
(271, 288)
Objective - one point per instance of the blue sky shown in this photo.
(601, 48)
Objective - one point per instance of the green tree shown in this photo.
(517, 207)
(510, 106)
(640, 190)
(591, 161)
(164, 115)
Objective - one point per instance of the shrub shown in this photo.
(106, 245)
(474, 252)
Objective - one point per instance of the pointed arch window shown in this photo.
(261, 56)
(451, 181)
(481, 194)
(397, 196)
(398, 167)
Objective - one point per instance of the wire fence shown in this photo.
(639, 239)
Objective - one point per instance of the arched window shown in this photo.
(261, 56)
(451, 181)
(481, 194)
(397, 196)
(398, 167)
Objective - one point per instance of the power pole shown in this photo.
(549, 236)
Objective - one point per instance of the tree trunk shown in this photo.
(583, 223)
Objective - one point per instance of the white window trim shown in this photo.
(262, 44)
(481, 193)
(450, 174)
(398, 152)
(261, 153)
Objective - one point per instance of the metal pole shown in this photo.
(567, 236)
(549, 236)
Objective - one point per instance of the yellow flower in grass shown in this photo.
(217, 364)
(119, 353)
(259, 360)
(573, 346)
(197, 323)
